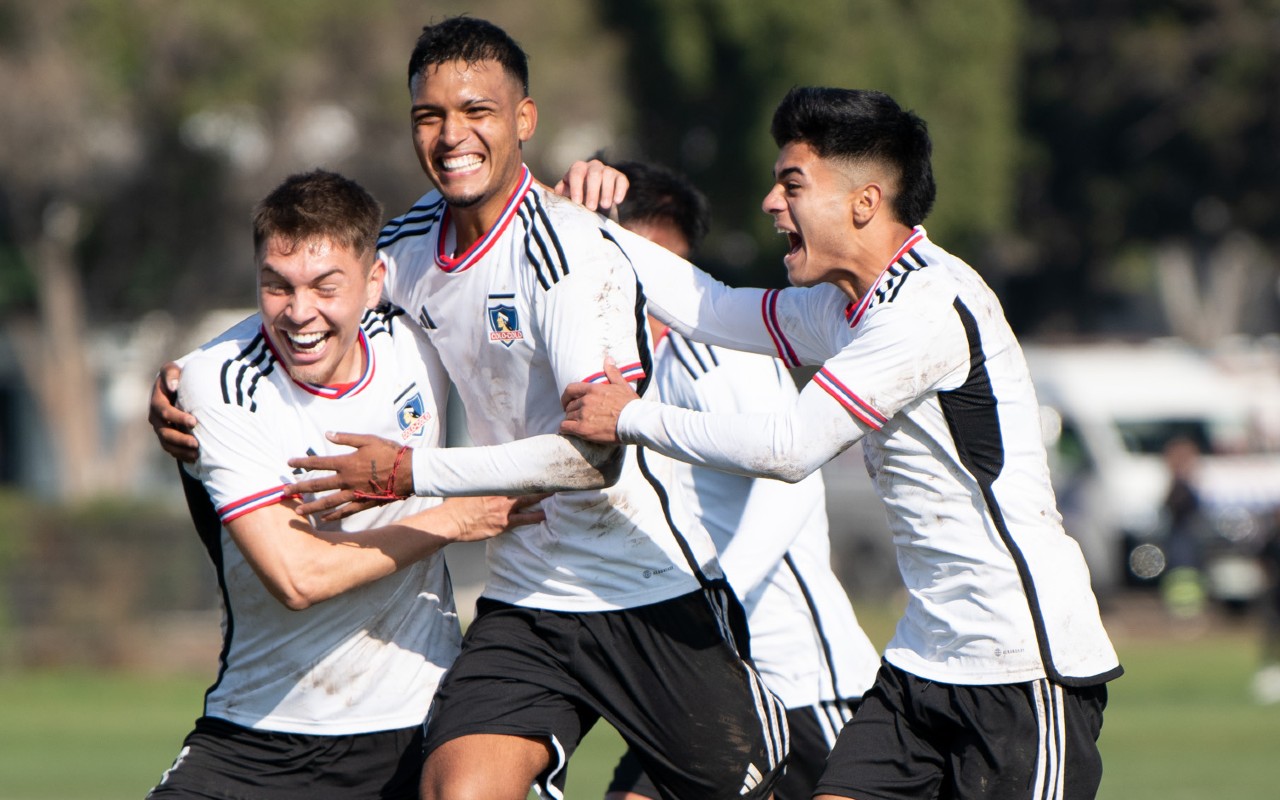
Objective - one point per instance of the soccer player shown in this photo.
(615, 607)
(334, 634)
(994, 683)
(771, 536)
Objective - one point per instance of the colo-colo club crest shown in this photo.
(504, 322)
(411, 417)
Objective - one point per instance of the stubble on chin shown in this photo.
(304, 375)
(462, 201)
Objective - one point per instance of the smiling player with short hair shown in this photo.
(335, 635)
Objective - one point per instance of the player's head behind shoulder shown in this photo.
(566, 215)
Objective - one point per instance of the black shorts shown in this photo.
(667, 676)
(914, 738)
(813, 732)
(220, 760)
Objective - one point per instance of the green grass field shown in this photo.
(1181, 724)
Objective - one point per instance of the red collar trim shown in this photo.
(338, 390)
(854, 313)
(482, 245)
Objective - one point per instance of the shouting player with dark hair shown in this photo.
(995, 681)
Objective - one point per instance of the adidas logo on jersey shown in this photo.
(751, 781)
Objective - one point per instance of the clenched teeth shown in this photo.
(460, 162)
(306, 341)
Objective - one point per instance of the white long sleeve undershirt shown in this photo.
(786, 445)
(694, 303)
(546, 463)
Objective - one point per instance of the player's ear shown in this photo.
(526, 119)
(373, 287)
(865, 202)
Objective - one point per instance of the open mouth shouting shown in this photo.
(797, 258)
(794, 241)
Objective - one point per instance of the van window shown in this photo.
(1148, 437)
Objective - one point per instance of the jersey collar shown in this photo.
(339, 390)
(481, 246)
(854, 313)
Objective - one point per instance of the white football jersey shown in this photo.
(930, 371)
(534, 305)
(370, 658)
(772, 536)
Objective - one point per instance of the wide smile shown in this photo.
(458, 165)
(307, 345)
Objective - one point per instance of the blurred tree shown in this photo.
(1152, 166)
(705, 75)
(136, 134)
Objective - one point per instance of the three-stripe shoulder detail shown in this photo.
(541, 243)
(905, 262)
(896, 276)
(420, 220)
(380, 320)
(697, 358)
(241, 375)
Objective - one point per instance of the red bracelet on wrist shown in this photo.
(387, 492)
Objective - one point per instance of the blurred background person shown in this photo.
(1266, 682)
(1186, 527)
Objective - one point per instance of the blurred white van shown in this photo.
(1108, 410)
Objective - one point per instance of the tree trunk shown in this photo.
(1205, 299)
(54, 358)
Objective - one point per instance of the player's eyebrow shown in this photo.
(267, 269)
(468, 103)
